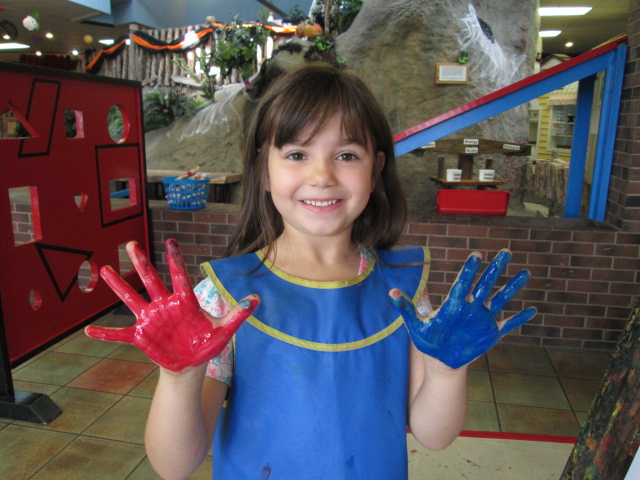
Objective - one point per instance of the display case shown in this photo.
(561, 127)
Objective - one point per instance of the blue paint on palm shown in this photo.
(465, 326)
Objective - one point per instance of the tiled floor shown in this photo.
(104, 390)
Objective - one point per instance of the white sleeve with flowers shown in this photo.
(220, 367)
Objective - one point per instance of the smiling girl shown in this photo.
(322, 378)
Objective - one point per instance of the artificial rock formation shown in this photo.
(394, 46)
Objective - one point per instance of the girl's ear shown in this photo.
(378, 165)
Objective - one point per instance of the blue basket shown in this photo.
(186, 194)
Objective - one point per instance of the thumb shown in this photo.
(124, 335)
(231, 322)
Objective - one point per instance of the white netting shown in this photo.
(488, 61)
(216, 114)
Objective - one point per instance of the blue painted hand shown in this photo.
(466, 325)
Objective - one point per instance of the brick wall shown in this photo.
(585, 275)
(623, 206)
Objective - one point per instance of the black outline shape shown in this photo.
(138, 185)
(52, 121)
(43, 246)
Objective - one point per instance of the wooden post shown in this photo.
(133, 71)
(441, 173)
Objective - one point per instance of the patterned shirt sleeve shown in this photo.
(220, 367)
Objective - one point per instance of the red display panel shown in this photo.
(71, 197)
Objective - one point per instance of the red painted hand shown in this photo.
(171, 329)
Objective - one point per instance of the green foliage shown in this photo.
(207, 81)
(347, 11)
(323, 50)
(161, 107)
(236, 48)
(115, 123)
(343, 12)
(296, 15)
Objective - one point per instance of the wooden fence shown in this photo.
(163, 68)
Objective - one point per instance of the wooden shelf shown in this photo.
(467, 183)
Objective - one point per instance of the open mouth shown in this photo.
(320, 203)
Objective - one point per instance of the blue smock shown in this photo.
(320, 383)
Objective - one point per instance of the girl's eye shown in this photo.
(295, 156)
(347, 157)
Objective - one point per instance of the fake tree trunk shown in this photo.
(610, 436)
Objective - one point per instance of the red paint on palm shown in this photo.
(171, 329)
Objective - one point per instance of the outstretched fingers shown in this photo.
(462, 285)
(124, 335)
(179, 277)
(516, 321)
(132, 299)
(406, 309)
(243, 310)
(147, 272)
(506, 293)
(490, 276)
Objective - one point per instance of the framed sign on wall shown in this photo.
(455, 73)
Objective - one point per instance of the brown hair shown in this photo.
(311, 95)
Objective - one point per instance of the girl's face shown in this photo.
(321, 185)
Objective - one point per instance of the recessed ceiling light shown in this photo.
(561, 11)
(550, 33)
(12, 46)
(106, 41)
(74, 52)
(568, 44)
(39, 53)
(48, 35)
(6, 36)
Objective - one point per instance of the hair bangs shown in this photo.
(306, 109)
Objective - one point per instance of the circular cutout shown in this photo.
(35, 299)
(81, 200)
(87, 276)
(117, 124)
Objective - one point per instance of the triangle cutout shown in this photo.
(62, 265)
(13, 124)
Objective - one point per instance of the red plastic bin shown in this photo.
(477, 202)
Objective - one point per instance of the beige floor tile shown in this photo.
(479, 386)
(580, 363)
(84, 345)
(116, 320)
(55, 368)
(519, 359)
(479, 363)
(145, 471)
(24, 450)
(488, 459)
(80, 408)
(530, 390)
(93, 458)
(35, 387)
(483, 417)
(538, 421)
(129, 352)
(147, 387)
(114, 376)
(580, 392)
(125, 421)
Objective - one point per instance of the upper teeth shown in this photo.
(324, 203)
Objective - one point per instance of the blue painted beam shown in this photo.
(579, 147)
(475, 114)
(611, 95)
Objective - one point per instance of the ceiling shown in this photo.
(607, 19)
(67, 20)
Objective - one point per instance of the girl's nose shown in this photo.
(322, 173)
